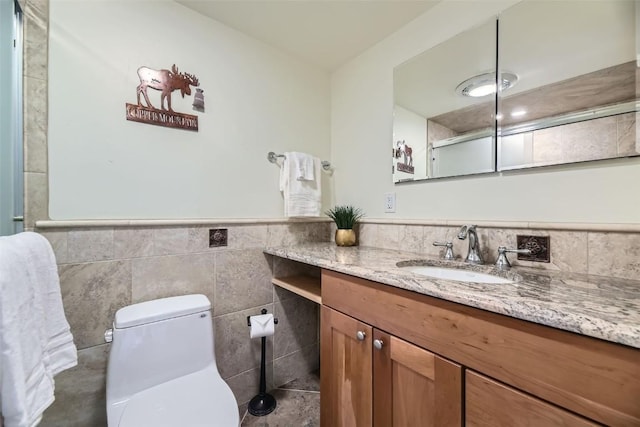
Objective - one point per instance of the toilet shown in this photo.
(162, 368)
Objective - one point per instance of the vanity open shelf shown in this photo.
(306, 286)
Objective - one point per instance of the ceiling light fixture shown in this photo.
(485, 84)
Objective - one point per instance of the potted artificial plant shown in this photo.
(345, 218)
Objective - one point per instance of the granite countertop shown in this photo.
(597, 306)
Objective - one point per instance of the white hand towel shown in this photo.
(301, 197)
(35, 341)
(304, 166)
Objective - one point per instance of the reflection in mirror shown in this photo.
(576, 95)
(444, 124)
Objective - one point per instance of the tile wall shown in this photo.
(35, 27)
(105, 268)
(574, 249)
(602, 138)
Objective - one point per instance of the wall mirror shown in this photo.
(438, 131)
(566, 92)
(576, 96)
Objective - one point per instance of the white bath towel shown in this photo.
(301, 197)
(35, 340)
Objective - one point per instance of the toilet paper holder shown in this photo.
(263, 311)
(263, 403)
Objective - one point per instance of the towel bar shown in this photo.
(273, 158)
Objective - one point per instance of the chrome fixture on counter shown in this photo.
(502, 263)
(473, 256)
(448, 253)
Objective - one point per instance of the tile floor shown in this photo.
(298, 405)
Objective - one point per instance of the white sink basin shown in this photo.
(455, 274)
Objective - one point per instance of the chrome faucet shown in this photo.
(473, 256)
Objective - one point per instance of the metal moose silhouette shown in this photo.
(165, 81)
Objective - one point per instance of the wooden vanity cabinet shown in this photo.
(490, 404)
(346, 363)
(512, 371)
(371, 378)
(412, 386)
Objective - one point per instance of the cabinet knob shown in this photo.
(360, 335)
(378, 344)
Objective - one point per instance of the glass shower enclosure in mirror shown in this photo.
(444, 109)
(577, 90)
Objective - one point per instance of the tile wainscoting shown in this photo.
(105, 268)
(598, 249)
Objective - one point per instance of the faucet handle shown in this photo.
(448, 254)
(502, 263)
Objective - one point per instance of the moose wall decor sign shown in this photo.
(165, 81)
(406, 152)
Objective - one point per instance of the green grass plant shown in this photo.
(345, 217)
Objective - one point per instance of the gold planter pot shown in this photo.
(345, 237)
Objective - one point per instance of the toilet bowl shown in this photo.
(162, 369)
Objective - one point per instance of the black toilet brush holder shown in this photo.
(263, 403)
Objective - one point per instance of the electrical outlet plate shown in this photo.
(538, 245)
(390, 202)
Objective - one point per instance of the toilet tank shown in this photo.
(157, 341)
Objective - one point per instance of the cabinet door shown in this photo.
(345, 371)
(414, 387)
(492, 404)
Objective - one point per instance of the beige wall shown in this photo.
(257, 99)
(361, 111)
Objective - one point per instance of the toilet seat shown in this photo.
(195, 400)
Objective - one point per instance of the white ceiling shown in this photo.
(327, 33)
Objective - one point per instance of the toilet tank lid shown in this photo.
(160, 309)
